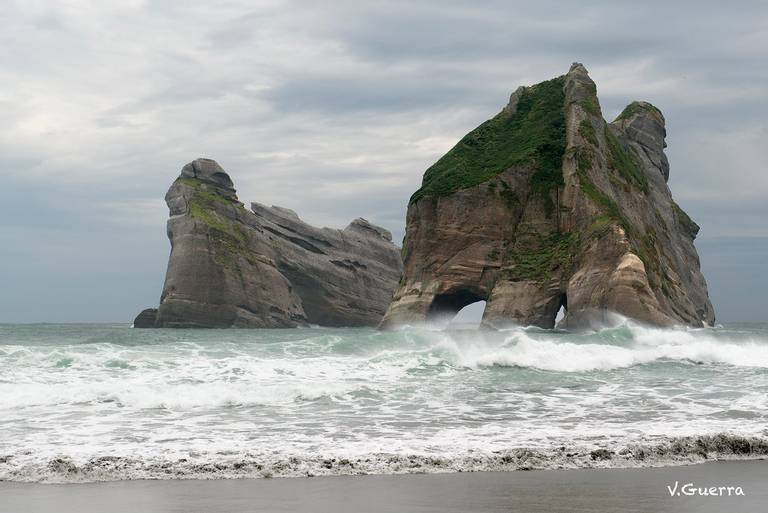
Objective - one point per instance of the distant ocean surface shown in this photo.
(106, 402)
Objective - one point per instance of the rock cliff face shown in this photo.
(265, 268)
(547, 205)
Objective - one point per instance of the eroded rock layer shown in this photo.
(547, 205)
(265, 267)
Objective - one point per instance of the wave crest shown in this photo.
(608, 349)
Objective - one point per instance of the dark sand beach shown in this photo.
(622, 490)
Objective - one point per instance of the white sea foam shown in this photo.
(522, 348)
(91, 403)
(671, 451)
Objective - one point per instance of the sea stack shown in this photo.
(265, 267)
(547, 205)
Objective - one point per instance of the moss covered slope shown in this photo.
(534, 135)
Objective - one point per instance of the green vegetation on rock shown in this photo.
(533, 136)
(591, 106)
(609, 207)
(587, 131)
(624, 161)
(203, 205)
(509, 195)
(638, 108)
(642, 246)
(551, 253)
(600, 226)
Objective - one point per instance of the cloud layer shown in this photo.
(333, 109)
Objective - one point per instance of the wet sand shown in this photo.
(615, 490)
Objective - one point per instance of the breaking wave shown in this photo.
(98, 402)
(609, 349)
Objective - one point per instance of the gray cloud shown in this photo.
(334, 109)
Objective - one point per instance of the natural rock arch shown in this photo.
(547, 204)
(448, 304)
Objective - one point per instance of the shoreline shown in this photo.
(672, 452)
(603, 490)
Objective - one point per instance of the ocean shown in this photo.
(107, 402)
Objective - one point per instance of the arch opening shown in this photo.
(562, 312)
(469, 317)
(461, 307)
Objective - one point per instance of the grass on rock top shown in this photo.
(534, 135)
(202, 206)
(637, 108)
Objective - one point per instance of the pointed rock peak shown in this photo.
(201, 182)
(578, 68)
(514, 98)
(581, 89)
(641, 108)
(209, 171)
(362, 225)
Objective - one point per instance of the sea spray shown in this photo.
(99, 402)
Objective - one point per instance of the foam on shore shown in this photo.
(674, 451)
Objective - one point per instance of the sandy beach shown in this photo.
(622, 490)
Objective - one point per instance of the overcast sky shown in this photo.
(335, 109)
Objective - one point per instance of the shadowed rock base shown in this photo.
(146, 318)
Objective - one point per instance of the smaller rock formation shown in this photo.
(266, 268)
(146, 318)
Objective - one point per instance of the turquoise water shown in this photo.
(94, 402)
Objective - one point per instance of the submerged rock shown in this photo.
(547, 205)
(266, 268)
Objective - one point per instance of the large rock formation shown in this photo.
(547, 206)
(265, 268)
